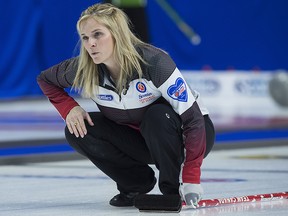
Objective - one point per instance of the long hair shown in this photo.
(117, 22)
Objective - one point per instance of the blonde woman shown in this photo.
(148, 114)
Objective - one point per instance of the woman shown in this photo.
(148, 114)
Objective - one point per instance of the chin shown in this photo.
(97, 61)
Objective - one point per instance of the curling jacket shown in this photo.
(161, 82)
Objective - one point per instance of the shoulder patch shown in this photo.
(178, 91)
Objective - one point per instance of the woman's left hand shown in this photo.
(191, 194)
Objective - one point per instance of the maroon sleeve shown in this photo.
(195, 144)
(53, 82)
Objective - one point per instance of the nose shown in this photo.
(92, 42)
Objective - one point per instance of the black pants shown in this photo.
(124, 153)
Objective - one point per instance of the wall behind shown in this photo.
(240, 34)
(243, 35)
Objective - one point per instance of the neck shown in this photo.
(114, 70)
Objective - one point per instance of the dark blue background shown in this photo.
(241, 34)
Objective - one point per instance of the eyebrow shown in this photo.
(95, 30)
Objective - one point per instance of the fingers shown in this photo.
(191, 194)
(89, 120)
(78, 128)
(75, 121)
(192, 199)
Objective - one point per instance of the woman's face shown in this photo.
(97, 40)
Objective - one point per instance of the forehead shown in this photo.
(90, 24)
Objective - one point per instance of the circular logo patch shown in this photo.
(140, 86)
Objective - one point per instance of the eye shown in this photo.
(97, 34)
(84, 38)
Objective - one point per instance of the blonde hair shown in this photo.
(117, 22)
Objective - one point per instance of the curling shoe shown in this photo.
(123, 199)
(127, 199)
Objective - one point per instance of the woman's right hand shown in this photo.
(75, 121)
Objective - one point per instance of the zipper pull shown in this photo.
(125, 91)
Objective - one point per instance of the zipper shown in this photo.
(124, 92)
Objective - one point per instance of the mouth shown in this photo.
(94, 53)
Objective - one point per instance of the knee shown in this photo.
(89, 145)
(69, 137)
(155, 115)
(210, 134)
(152, 121)
(161, 119)
(72, 141)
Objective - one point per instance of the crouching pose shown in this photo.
(148, 114)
